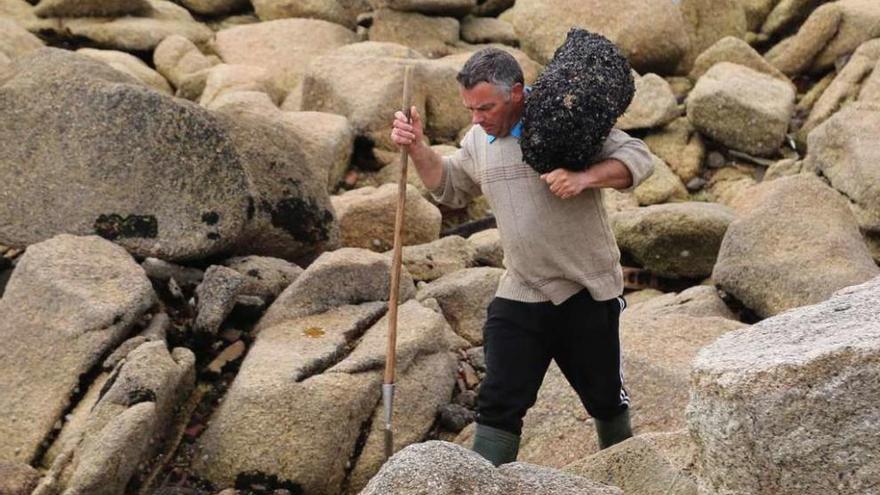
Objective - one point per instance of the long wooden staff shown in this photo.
(391, 354)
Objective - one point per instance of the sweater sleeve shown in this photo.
(457, 184)
(634, 154)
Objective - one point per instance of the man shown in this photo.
(559, 297)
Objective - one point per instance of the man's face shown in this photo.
(491, 109)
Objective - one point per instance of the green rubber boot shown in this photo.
(497, 446)
(614, 430)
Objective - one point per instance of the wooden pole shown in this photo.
(391, 354)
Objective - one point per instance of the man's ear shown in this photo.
(517, 92)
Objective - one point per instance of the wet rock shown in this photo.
(741, 108)
(283, 47)
(562, 110)
(464, 296)
(264, 276)
(840, 150)
(343, 12)
(216, 297)
(431, 36)
(673, 240)
(796, 245)
(367, 215)
(443, 469)
(336, 278)
(69, 301)
(771, 402)
(131, 65)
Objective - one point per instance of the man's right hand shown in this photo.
(407, 133)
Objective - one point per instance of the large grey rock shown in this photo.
(742, 108)
(336, 278)
(137, 33)
(327, 140)
(650, 33)
(653, 463)
(131, 65)
(772, 402)
(653, 105)
(857, 81)
(70, 300)
(91, 8)
(367, 215)
(418, 394)
(129, 423)
(315, 397)
(444, 256)
(344, 12)
(833, 30)
(245, 187)
(283, 47)
(433, 37)
(673, 240)
(440, 468)
(464, 296)
(796, 246)
(841, 150)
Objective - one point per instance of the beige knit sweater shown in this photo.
(553, 248)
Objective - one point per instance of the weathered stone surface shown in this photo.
(772, 402)
(857, 81)
(433, 37)
(679, 146)
(742, 108)
(426, 262)
(488, 30)
(701, 301)
(344, 276)
(673, 240)
(327, 140)
(786, 15)
(17, 478)
(274, 403)
(138, 33)
(216, 297)
(653, 105)
(841, 149)
(662, 186)
(223, 79)
(729, 185)
(648, 464)
(264, 276)
(163, 271)
(366, 217)
(283, 47)
(796, 245)
(215, 7)
(91, 8)
(440, 468)
(832, 30)
(177, 58)
(487, 245)
(651, 33)
(244, 188)
(457, 8)
(464, 296)
(128, 424)
(69, 301)
(344, 12)
(736, 51)
(707, 21)
(131, 65)
(16, 41)
(491, 8)
(364, 82)
(418, 394)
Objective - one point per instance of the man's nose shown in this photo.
(476, 118)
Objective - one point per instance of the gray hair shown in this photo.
(491, 65)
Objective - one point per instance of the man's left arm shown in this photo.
(624, 163)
